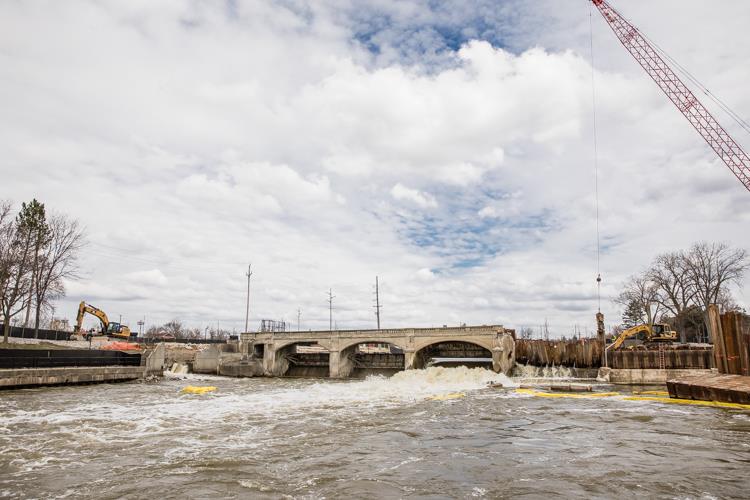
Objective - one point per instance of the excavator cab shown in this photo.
(113, 328)
(117, 330)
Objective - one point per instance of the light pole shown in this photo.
(330, 309)
(247, 309)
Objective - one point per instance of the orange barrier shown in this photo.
(120, 346)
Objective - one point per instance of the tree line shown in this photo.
(38, 252)
(176, 329)
(679, 286)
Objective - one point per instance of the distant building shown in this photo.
(60, 325)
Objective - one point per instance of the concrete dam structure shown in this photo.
(342, 353)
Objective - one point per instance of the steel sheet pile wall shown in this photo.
(53, 358)
(583, 353)
(730, 333)
(668, 359)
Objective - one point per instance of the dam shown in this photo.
(339, 353)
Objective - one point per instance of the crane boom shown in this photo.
(707, 126)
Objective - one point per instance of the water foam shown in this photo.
(545, 372)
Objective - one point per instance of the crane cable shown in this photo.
(743, 124)
(596, 164)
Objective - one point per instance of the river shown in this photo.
(436, 433)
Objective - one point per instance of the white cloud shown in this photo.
(487, 213)
(191, 143)
(425, 274)
(419, 198)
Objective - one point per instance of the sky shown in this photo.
(445, 147)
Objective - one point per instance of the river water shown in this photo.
(436, 433)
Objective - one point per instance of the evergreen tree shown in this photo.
(633, 315)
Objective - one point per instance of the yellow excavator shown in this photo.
(109, 328)
(645, 334)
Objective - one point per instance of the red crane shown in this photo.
(715, 135)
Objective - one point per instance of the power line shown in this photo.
(596, 162)
(247, 309)
(377, 305)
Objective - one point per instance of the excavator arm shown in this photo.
(84, 308)
(627, 334)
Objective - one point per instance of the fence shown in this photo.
(664, 358)
(52, 358)
(730, 333)
(582, 353)
(28, 333)
(147, 341)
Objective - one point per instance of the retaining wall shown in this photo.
(26, 377)
(667, 359)
(645, 376)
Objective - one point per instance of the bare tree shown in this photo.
(15, 265)
(670, 272)
(56, 262)
(639, 289)
(193, 333)
(175, 328)
(711, 268)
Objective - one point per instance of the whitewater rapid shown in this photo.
(438, 432)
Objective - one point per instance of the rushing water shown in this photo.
(436, 433)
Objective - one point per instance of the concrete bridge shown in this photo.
(337, 349)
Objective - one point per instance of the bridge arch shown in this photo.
(281, 344)
(288, 360)
(355, 342)
(487, 343)
(467, 351)
(358, 363)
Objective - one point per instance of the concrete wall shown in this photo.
(207, 360)
(247, 368)
(211, 359)
(644, 376)
(25, 377)
(154, 361)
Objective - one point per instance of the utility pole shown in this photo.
(330, 309)
(377, 301)
(299, 317)
(247, 309)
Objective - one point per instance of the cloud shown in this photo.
(419, 198)
(443, 146)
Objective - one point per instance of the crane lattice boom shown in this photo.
(719, 139)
